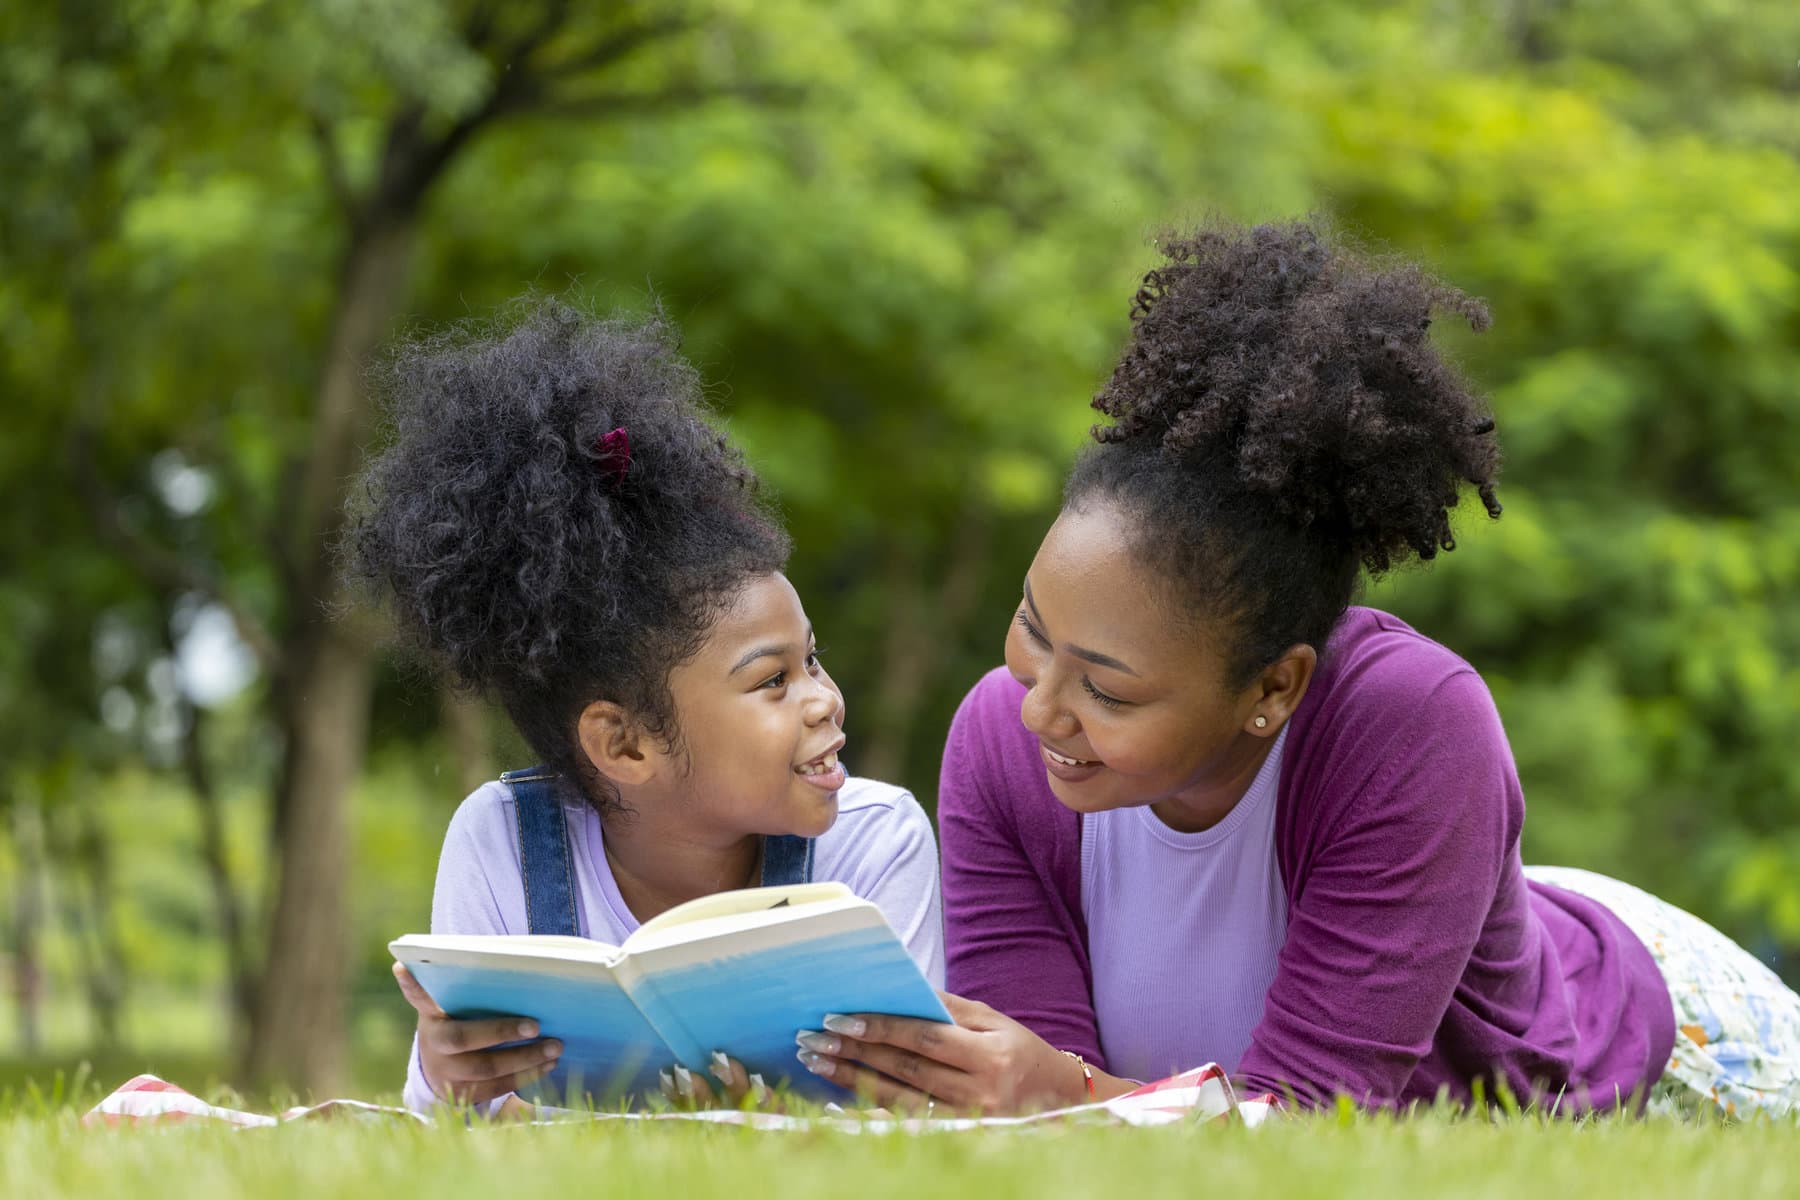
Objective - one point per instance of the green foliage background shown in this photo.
(905, 269)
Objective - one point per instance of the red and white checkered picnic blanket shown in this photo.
(1202, 1094)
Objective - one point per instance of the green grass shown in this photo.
(44, 1152)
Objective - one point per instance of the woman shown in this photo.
(1211, 812)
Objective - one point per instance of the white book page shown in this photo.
(546, 954)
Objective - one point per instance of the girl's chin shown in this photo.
(816, 814)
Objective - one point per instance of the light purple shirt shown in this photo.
(1221, 915)
(881, 846)
(1416, 954)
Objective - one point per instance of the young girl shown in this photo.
(1210, 812)
(556, 520)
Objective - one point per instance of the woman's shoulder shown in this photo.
(1388, 697)
(986, 734)
(993, 700)
(1380, 675)
(1374, 655)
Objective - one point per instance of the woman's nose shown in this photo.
(1038, 712)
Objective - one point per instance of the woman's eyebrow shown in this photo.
(1081, 652)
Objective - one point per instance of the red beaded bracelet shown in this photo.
(1087, 1072)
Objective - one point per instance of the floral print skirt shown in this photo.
(1737, 1025)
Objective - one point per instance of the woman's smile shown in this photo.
(1067, 769)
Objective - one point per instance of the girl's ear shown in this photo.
(615, 744)
(1277, 692)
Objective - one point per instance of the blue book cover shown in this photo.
(740, 972)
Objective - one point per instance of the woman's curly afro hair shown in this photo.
(517, 544)
(1280, 417)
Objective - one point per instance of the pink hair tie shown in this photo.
(612, 454)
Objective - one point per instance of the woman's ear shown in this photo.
(1279, 689)
(615, 743)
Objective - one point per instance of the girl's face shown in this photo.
(1128, 698)
(761, 722)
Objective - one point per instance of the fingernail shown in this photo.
(528, 1029)
(759, 1089)
(684, 1081)
(553, 1049)
(848, 1026)
(816, 1063)
(824, 1043)
(721, 1066)
(668, 1082)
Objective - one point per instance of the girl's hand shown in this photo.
(985, 1063)
(459, 1058)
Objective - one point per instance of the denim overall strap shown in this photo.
(786, 859)
(544, 859)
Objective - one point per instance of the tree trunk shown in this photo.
(101, 950)
(27, 926)
(228, 910)
(298, 1036)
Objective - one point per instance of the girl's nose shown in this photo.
(826, 702)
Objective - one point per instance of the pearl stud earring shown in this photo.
(1261, 722)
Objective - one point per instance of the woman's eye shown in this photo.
(1097, 694)
(1031, 630)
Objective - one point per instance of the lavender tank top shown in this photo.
(1183, 931)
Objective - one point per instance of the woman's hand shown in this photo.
(985, 1063)
(681, 1088)
(460, 1060)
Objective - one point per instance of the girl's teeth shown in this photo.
(823, 766)
(1067, 762)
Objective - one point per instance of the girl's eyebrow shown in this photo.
(1081, 652)
(782, 651)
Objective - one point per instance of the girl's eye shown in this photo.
(1030, 629)
(777, 680)
(812, 660)
(1109, 701)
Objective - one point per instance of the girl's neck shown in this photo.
(656, 868)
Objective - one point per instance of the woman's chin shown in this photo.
(1086, 796)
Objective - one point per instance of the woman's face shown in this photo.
(1129, 698)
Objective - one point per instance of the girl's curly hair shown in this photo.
(1280, 417)
(520, 549)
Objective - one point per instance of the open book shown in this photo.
(738, 971)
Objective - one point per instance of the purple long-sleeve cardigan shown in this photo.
(1417, 956)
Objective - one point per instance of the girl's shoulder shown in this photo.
(870, 808)
(489, 813)
(878, 825)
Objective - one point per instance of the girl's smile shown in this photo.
(824, 771)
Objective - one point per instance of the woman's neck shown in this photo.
(1209, 801)
(657, 868)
